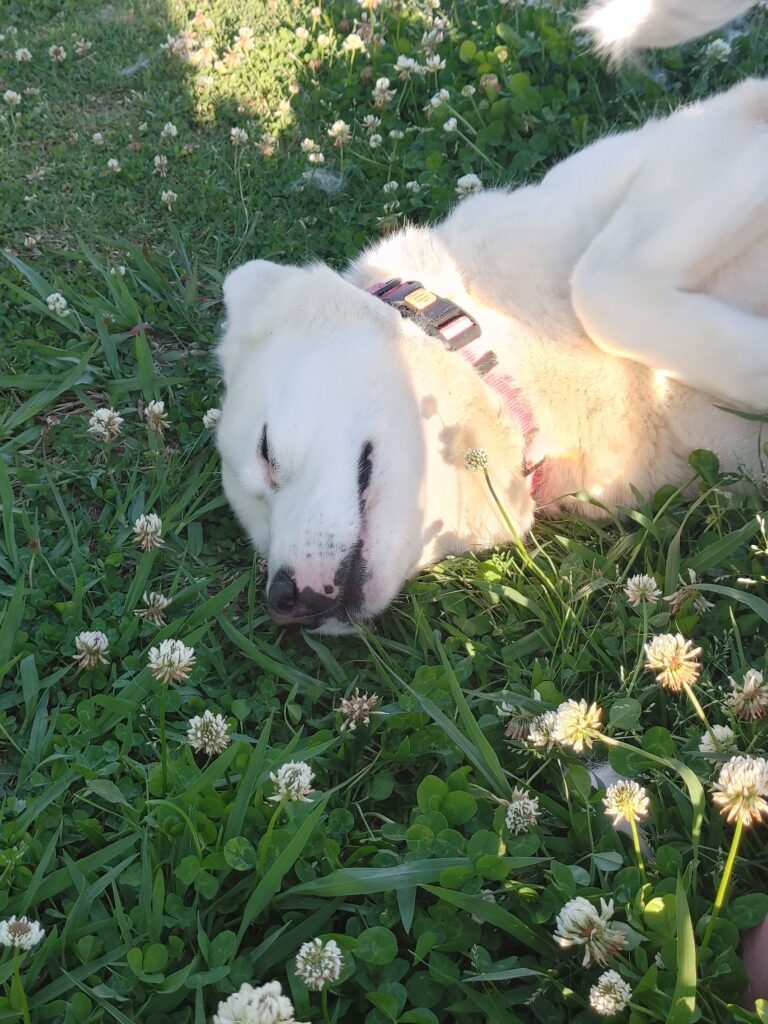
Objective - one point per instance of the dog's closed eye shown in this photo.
(364, 470)
(267, 458)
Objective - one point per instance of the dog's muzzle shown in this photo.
(290, 606)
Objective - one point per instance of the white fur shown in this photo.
(623, 294)
(620, 26)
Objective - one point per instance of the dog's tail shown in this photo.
(618, 27)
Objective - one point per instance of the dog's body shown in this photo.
(624, 297)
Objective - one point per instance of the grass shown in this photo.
(165, 883)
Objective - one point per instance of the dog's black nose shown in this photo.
(289, 606)
(281, 596)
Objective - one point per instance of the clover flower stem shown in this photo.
(163, 740)
(553, 597)
(17, 988)
(463, 119)
(638, 851)
(324, 1005)
(484, 156)
(722, 889)
(264, 844)
(700, 712)
(517, 538)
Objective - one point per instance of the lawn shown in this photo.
(439, 848)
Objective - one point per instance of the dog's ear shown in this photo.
(252, 301)
(247, 294)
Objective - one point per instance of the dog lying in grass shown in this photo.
(581, 332)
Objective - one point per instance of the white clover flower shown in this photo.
(13, 99)
(490, 81)
(113, 165)
(82, 46)
(542, 730)
(579, 924)
(406, 67)
(468, 90)
(293, 781)
(238, 136)
(105, 424)
(92, 647)
(441, 96)
(382, 94)
(211, 419)
(316, 14)
(626, 801)
(742, 788)
(674, 660)
(171, 662)
(118, 271)
(97, 139)
(374, 141)
(687, 589)
(147, 531)
(517, 721)
(576, 723)
(20, 933)
(451, 125)
(157, 418)
(160, 165)
(57, 304)
(370, 122)
(266, 145)
(749, 699)
(168, 198)
(467, 184)
(301, 33)
(169, 130)
(316, 158)
(353, 43)
(318, 963)
(176, 46)
(724, 739)
(396, 134)
(610, 995)
(22, 55)
(57, 54)
(389, 187)
(340, 132)
(413, 187)
(434, 63)
(263, 1005)
(323, 40)
(718, 49)
(244, 40)
(309, 146)
(476, 459)
(155, 607)
(357, 709)
(641, 588)
(522, 812)
(208, 733)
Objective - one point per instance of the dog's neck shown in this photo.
(458, 331)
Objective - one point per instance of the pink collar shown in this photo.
(460, 332)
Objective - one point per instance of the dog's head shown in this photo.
(342, 436)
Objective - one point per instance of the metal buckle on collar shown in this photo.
(435, 315)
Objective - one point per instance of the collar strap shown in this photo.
(433, 314)
(458, 331)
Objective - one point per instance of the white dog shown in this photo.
(618, 27)
(619, 301)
